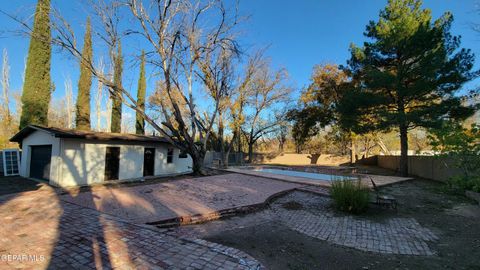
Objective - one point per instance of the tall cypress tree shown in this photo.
(37, 86)
(142, 87)
(116, 123)
(84, 84)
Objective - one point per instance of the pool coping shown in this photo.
(307, 181)
(284, 178)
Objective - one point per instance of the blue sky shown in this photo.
(299, 34)
(304, 33)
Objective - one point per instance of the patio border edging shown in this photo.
(199, 218)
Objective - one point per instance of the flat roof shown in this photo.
(88, 135)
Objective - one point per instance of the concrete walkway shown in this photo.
(40, 231)
(181, 200)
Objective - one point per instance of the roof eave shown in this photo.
(24, 132)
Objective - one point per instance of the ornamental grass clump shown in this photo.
(350, 195)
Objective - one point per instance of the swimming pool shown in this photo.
(310, 175)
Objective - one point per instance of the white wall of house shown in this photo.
(84, 161)
(78, 162)
(178, 165)
(41, 138)
(131, 161)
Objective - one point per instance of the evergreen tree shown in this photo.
(37, 86)
(407, 76)
(116, 122)
(142, 86)
(84, 84)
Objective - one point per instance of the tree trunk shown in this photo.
(229, 148)
(221, 142)
(225, 158)
(382, 146)
(353, 152)
(403, 151)
(250, 152)
(197, 162)
(367, 148)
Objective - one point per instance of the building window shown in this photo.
(170, 155)
(11, 161)
(183, 154)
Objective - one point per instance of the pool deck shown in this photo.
(184, 201)
(380, 180)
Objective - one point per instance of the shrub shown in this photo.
(350, 196)
(462, 183)
(461, 145)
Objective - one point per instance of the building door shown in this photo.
(40, 158)
(148, 161)
(112, 163)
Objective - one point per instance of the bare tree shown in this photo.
(282, 131)
(6, 86)
(267, 91)
(177, 34)
(6, 119)
(69, 103)
(99, 96)
(128, 123)
(184, 41)
(181, 42)
(57, 113)
(108, 114)
(231, 114)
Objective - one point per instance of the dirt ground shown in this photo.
(453, 218)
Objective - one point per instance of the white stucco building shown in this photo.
(78, 158)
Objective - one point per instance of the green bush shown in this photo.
(350, 196)
(462, 183)
(461, 145)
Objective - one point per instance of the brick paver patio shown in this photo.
(39, 231)
(316, 219)
(392, 236)
(182, 198)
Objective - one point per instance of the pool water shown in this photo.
(316, 176)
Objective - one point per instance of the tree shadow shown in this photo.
(73, 236)
(81, 241)
(16, 184)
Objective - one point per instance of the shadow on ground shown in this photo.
(15, 184)
(62, 235)
(449, 216)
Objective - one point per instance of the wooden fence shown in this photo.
(234, 158)
(1, 163)
(277, 158)
(429, 167)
